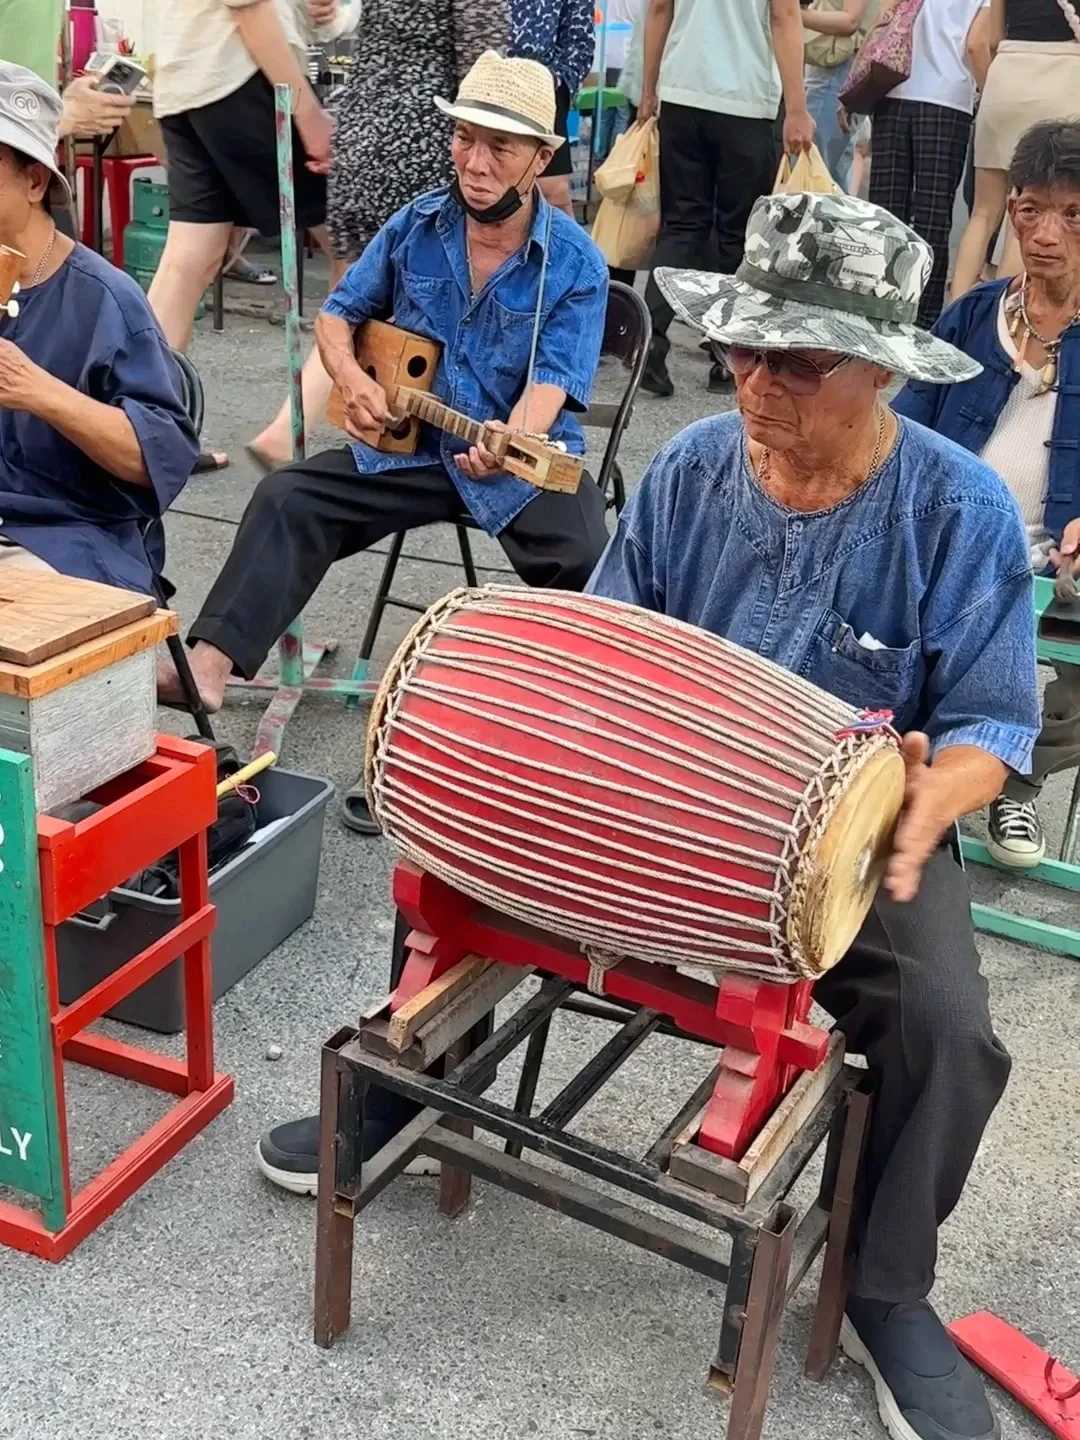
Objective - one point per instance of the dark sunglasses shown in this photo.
(797, 373)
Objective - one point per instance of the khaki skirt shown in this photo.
(1029, 81)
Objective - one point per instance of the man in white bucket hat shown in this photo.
(467, 266)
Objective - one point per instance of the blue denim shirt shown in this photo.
(561, 34)
(416, 271)
(928, 559)
(968, 412)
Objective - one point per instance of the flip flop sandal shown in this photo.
(248, 274)
(355, 814)
(210, 460)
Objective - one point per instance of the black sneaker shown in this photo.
(289, 1154)
(925, 1388)
(656, 379)
(1016, 837)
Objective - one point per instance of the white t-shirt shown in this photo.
(1017, 446)
(939, 68)
(719, 57)
(622, 16)
(199, 56)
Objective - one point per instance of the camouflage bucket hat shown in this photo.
(824, 272)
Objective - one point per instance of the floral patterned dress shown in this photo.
(391, 144)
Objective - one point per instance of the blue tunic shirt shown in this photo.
(913, 594)
(90, 326)
(416, 270)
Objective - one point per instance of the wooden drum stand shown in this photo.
(729, 1156)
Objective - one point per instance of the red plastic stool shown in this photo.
(118, 172)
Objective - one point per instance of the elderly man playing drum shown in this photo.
(890, 567)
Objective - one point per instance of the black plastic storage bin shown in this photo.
(262, 895)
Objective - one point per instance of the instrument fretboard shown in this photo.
(425, 407)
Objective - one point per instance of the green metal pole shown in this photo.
(291, 649)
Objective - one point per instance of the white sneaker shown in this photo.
(1016, 837)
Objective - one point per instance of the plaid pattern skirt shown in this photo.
(917, 163)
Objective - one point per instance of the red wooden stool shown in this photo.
(162, 805)
(118, 172)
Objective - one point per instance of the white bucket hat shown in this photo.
(30, 113)
(514, 96)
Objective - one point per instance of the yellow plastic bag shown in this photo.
(627, 222)
(809, 172)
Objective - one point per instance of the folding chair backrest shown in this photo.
(192, 390)
(153, 536)
(627, 336)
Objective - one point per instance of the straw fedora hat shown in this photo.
(514, 96)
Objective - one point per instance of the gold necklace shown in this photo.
(35, 279)
(765, 466)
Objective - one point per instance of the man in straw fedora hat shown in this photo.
(469, 266)
(888, 566)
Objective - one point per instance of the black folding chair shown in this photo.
(627, 334)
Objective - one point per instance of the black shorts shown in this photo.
(560, 161)
(222, 164)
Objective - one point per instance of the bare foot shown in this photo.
(210, 670)
(267, 454)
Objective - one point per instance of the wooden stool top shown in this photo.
(55, 629)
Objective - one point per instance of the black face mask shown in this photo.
(509, 203)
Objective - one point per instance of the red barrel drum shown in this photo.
(632, 783)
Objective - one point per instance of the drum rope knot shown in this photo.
(600, 962)
(868, 722)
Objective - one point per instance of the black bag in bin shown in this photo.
(237, 821)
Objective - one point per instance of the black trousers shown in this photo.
(305, 516)
(918, 162)
(910, 997)
(712, 169)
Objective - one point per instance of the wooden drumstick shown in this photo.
(257, 766)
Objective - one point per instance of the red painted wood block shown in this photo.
(761, 1025)
(1035, 1378)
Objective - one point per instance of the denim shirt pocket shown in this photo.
(870, 679)
(506, 336)
(421, 302)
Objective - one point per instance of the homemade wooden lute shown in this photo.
(404, 364)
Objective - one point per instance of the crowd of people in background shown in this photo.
(734, 85)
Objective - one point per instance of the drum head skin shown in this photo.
(840, 875)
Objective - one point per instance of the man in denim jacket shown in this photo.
(889, 566)
(466, 266)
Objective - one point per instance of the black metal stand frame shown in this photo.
(771, 1246)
